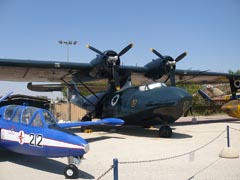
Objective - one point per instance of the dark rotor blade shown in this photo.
(116, 78)
(157, 53)
(181, 56)
(95, 50)
(172, 77)
(124, 50)
(167, 79)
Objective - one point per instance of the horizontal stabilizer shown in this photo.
(105, 121)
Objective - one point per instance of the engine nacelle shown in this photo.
(157, 68)
(103, 64)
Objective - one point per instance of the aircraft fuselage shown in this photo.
(147, 104)
(35, 137)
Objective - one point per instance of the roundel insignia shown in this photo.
(237, 84)
(21, 136)
(115, 100)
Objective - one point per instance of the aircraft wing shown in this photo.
(183, 76)
(55, 71)
(41, 71)
(105, 121)
(202, 77)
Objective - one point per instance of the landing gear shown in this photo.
(165, 132)
(71, 171)
(86, 129)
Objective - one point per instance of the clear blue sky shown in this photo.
(209, 30)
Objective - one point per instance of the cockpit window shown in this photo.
(49, 119)
(9, 112)
(17, 114)
(148, 87)
(37, 121)
(27, 114)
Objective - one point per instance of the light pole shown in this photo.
(67, 43)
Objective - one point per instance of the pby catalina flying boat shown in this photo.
(34, 131)
(142, 104)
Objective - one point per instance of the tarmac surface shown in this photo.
(192, 153)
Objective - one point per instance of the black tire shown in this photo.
(165, 132)
(71, 172)
(85, 118)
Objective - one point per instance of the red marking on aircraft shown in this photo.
(21, 137)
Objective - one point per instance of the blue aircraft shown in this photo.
(34, 131)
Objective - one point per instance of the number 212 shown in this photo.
(35, 140)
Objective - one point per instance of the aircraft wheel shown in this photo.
(165, 132)
(71, 172)
(85, 118)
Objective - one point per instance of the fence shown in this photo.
(60, 110)
(117, 163)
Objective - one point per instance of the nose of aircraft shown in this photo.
(82, 143)
(86, 148)
(232, 108)
(185, 98)
(227, 108)
(179, 96)
(74, 145)
(172, 103)
(176, 101)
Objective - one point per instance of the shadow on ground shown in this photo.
(39, 163)
(138, 132)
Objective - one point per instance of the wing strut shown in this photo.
(93, 93)
(73, 87)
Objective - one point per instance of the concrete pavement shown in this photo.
(131, 145)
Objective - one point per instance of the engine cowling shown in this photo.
(164, 65)
(157, 69)
(106, 64)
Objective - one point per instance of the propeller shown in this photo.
(170, 64)
(113, 60)
(95, 50)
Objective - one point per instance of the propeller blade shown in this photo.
(116, 77)
(95, 50)
(157, 53)
(172, 77)
(124, 50)
(167, 79)
(181, 56)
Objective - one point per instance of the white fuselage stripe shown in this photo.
(23, 138)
